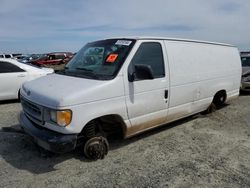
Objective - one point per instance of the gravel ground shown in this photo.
(199, 151)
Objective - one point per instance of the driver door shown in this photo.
(147, 100)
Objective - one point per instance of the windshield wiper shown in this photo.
(84, 73)
(84, 69)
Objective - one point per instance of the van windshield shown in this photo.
(245, 61)
(99, 60)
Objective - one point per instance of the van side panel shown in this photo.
(197, 72)
(146, 100)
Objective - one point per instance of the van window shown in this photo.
(6, 67)
(150, 53)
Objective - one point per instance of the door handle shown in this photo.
(166, 94)
(21, 75)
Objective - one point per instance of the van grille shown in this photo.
(33, 111)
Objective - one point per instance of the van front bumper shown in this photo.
(47, 139)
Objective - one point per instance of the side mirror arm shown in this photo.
(131, 77)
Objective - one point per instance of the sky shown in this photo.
(41, 26)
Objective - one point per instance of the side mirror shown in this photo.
(142, 72)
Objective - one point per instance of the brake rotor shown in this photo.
(96, 148)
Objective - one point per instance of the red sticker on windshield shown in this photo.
(111, 58)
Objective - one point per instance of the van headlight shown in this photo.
(61, 117)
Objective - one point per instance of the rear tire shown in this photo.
(220, 99)
(18, 95)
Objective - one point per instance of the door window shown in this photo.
(6, 67)
(7, 56)
(150, 53)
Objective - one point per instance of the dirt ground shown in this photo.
(199, 151)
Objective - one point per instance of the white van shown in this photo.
(127, 86)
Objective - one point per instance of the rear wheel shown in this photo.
(220, 99)
(18, 95)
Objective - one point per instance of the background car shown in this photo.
(6, 56)
(13, 74)
(28, 58)
(53, 59)
(245, 81)
(24, 58)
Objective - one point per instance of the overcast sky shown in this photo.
(39, 26)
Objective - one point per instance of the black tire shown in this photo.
(18, 95)
(220, 99)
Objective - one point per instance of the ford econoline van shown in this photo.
(126, 86)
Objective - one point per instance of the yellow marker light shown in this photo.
(64, 117)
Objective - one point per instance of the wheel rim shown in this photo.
(96, 148)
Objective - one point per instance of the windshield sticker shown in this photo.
(111, 58)
(123, 42)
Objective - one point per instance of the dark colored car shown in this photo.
(53, 59)
(245, 80)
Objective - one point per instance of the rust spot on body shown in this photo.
(142, 127)
(138, 128)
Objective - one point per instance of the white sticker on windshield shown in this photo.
(123, 42)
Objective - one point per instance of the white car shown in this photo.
(13, 74)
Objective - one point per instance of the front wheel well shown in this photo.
(110, 125)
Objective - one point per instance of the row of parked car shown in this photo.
(9, 55)
(23, 68)
(54, 58)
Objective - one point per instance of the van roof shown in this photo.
(171, 39)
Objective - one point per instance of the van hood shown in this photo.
(61, 91)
